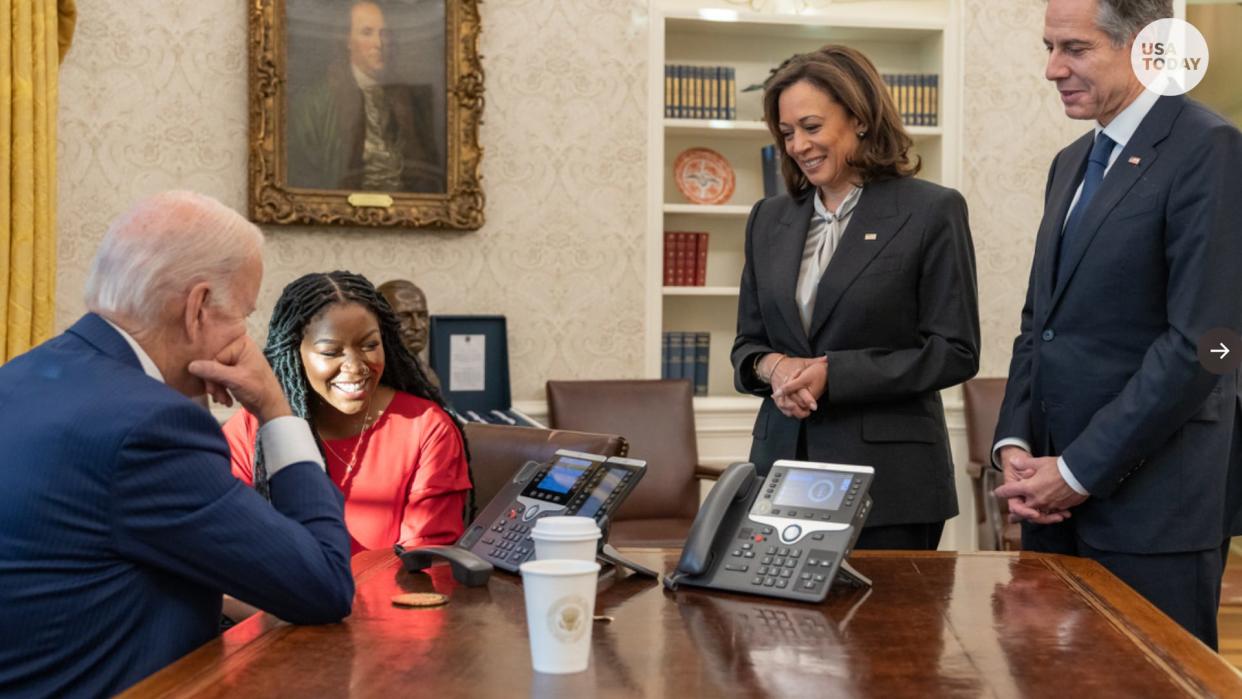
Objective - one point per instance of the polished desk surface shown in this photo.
(933, 625)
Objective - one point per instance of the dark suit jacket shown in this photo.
(1104, 371)
(897, 316)
(120, 524)
(1233, 497)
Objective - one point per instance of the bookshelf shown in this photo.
(900, 37)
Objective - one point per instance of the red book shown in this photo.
(679, 263)
(700, 259)
(668, 258)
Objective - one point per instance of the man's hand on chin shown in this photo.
(241, 371)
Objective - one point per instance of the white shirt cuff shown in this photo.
(1007, 442)
(287, 440)
(1068, 477)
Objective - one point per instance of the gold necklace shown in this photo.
(367, 423)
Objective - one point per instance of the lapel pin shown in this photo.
(1135, 160)
(868, 236)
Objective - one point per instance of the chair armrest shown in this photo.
(709, 472)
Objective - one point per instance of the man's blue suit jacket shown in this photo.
(1105, 370)
(121, 525)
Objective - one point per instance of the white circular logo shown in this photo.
(1169, 57)
(568, 618)
(821, 491)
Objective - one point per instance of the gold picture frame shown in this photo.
(375, 140)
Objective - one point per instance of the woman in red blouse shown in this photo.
(386, 438)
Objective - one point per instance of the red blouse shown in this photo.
(410, 482)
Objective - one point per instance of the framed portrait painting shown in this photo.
(366, 112)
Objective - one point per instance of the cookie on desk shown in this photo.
(419, 599)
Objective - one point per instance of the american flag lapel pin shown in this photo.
(868, 236)
(1135, 160)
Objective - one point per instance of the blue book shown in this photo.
(702, 348)
(687, 356)
(679, 82)
(675, 357)
(665, 355)
(917, 116)
(924, 100)
(718, 93)
(773, 182)
(668, 91)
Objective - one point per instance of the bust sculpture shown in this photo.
(409, 303)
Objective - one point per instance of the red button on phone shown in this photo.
(758, 537)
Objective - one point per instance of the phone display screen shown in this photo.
(601, 492)
(816, 490)
(563, 475)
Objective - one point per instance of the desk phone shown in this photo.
(785, 536)
(573, 483)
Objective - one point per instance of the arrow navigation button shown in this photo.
(1218, 350)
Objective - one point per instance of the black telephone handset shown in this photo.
(468, 569)
(733, 486)
(784, 535)
(572, 483)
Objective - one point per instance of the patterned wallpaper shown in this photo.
(1012, 126)
(153, 97)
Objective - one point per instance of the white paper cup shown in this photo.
(560, 609)
(559, 538)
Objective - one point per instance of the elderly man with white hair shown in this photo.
(120, 523)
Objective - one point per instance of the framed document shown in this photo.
(365, 113)
(470, 354)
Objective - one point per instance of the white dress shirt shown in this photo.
(286, 440)
(1121, 129)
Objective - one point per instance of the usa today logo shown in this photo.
(1169, 57)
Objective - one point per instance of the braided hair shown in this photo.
(300, 303)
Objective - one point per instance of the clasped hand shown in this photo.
(1034, 488)
(797, 385)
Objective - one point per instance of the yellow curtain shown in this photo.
(36, 35)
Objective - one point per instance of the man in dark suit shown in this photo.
(120, 522)
(1113, 438)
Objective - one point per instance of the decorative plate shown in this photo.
(703, 176)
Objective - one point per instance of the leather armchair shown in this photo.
(982, 402)
(498, 451)
(657, 418)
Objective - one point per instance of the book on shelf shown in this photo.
(702, 351)
(773, 180)
(700, 92)
(916, 96)
(685, 355)
(685, 258)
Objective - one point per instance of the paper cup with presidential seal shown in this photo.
(565, 537)
(560, 608)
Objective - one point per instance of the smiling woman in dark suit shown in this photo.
(858, 299)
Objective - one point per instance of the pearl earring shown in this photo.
(862, 132)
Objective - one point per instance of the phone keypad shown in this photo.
(510, 541)
(788, 568)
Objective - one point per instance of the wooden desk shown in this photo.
(934, 625)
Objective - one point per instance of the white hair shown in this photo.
(167, 243)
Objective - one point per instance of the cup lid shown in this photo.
(565, 529)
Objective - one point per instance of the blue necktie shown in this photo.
(1097, 162)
